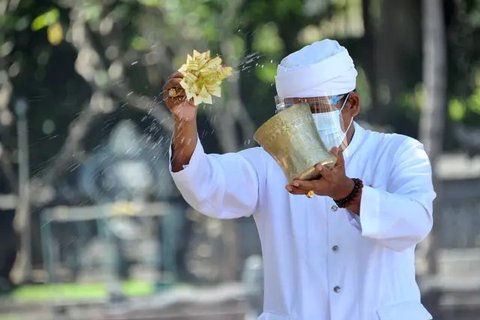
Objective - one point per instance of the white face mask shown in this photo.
(329, 127)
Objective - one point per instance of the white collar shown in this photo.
(357, 139)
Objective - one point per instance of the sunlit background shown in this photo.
(91, 226)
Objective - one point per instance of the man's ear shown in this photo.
(353, 103)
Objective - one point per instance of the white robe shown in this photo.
(320, 261)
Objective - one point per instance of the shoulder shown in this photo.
(397, 149)
(393, 142)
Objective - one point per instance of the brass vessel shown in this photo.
(291, 138)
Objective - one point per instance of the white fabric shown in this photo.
(374, 263)
(323, 68)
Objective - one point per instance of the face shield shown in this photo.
(327, 115)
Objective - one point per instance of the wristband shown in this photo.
(358, 185)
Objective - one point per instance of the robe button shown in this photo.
(337, 289)
(335, 248)
(334, 208)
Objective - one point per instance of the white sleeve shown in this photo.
(402, 216)
(222, 186)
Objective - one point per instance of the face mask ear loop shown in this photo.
(341, 119)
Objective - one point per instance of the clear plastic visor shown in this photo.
(327, 116)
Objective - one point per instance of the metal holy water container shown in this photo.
(291, 138)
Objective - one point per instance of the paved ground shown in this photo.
(224, 302)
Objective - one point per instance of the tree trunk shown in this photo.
(433, 112)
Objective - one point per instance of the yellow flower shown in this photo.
(202, 77)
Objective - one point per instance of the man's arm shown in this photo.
(184, 113)
(184, 141)
(221, 186)
(399, 217)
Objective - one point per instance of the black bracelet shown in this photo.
(358, 185)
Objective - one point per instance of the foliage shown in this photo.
(467, 109)
(84, 65)
(464, 61)
(61, 55)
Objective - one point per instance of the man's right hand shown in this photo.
(185, 129)
(181, 108)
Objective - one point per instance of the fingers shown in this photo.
(177, 74)
(325, 172)
(294, 190)
(173, 102)
(175, 98)
(338, 152)
(303, 186)
(327, 182)
(173, 82)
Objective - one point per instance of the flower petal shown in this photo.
(203, 76)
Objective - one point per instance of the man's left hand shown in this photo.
(332, 182)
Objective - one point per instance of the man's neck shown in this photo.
(350, 133)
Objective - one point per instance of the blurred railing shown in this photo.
(128, 220)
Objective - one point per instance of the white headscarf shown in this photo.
(322, 68)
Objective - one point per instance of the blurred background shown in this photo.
(91, 226)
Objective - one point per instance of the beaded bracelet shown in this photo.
(358, 185)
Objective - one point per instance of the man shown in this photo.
(348, 251)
